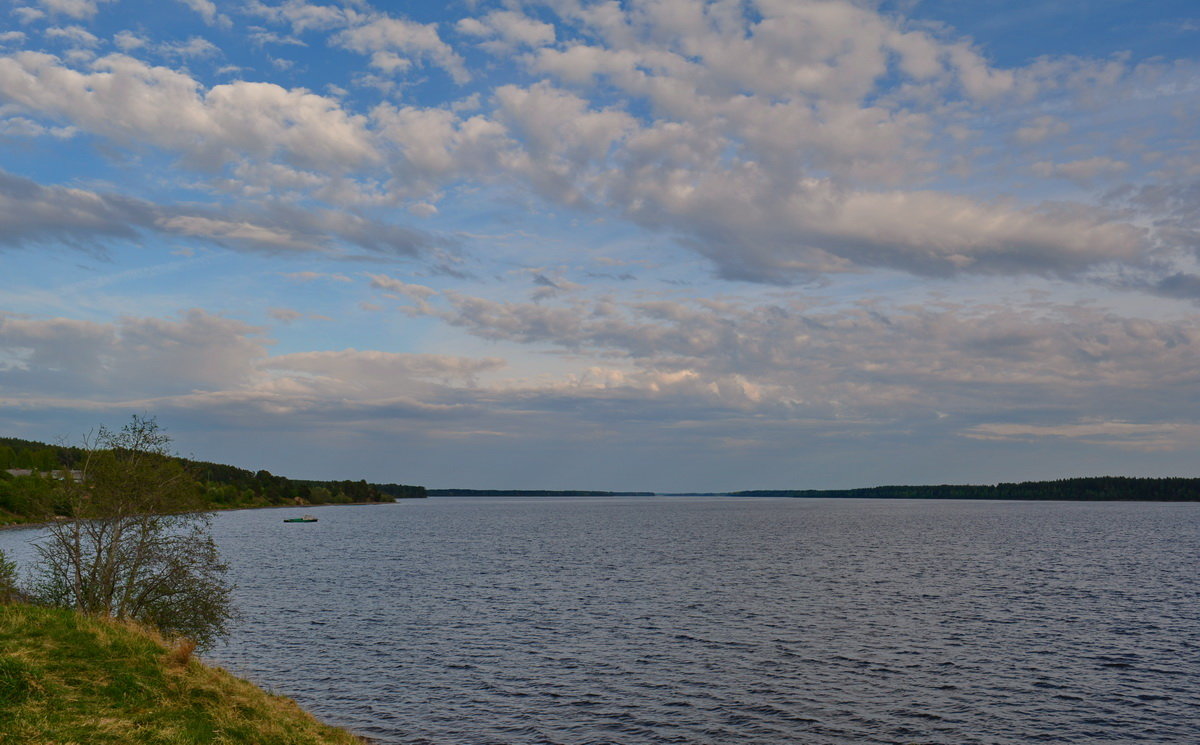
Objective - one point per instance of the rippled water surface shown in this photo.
(722, 620)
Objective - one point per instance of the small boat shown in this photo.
(305, 519)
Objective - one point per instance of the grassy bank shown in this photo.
(67, 679)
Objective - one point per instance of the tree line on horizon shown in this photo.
(1082, 489)
(37, 496)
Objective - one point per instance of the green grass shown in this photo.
(66, 679)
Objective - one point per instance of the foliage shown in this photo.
(8, 579)
(40, 496)
(26, 498)
(66, 678)
(1095, 489)
(135, 546)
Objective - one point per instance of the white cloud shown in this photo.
(28, 15)
(504, 30)
(127, 41)
(78, 9)
(132, 102)
(76, 35)
(396, 35)
(208, 11)
(239, 232)
(193, 47)
(303, 16)
(21, 127)
(805, 138)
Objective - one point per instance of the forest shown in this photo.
(37, 496)
(1087, 489)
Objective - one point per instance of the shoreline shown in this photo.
(44, 523)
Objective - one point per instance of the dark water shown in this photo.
(474, 621)
(727, 620)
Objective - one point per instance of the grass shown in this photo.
(66, 679)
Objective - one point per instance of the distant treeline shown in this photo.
(531, 493)
(1093, 489)
(35, 497)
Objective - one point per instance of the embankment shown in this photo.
(67, 678)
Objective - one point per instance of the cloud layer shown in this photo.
(718, 231)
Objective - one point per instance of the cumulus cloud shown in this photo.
(76, 35)
(192, 48)
(385, 36)
(503, 30)
(208, 11)
(800, 139)
(303, 16)
(127, 100)
(78, 9)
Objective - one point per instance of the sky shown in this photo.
(659, 245)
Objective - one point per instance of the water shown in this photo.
(722, 620)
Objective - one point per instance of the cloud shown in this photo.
(194, 47)
(131, 357)
(33, 214)
(127, 41)
(505, 30)
(78, 9)
(303, 16)
(382, 373)
(1083, 172)
(1041, 129)
(1136, 436)
(313, 276)
(19, 126)
(208, 11)
(234, 232)
(127, 100)
(869, 361)
(76, 35)
(385, 36)
(802, 139)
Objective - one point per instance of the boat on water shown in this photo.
(305, 519)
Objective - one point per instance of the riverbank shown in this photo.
(14, 522)
(69, 678)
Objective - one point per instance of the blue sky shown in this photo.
(658, 244)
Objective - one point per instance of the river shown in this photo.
(516, 621)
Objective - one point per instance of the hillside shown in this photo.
(29, 469)
(65, 678)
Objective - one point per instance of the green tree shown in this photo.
(136, 545)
